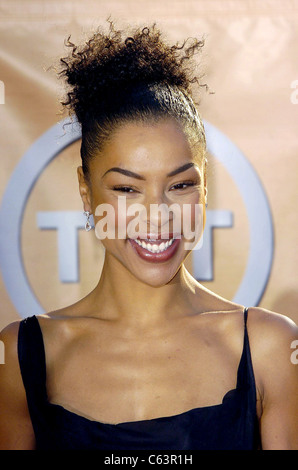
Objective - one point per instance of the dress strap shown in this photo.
(245, 376)
(245, 314)
(32, 362)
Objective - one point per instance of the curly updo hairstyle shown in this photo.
(115, 77)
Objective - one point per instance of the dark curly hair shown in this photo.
(115, 77)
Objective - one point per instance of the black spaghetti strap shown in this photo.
(245, 313)
(245, 376)
(32, 360)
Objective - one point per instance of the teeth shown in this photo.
(153, 248)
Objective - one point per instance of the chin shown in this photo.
(156, 276)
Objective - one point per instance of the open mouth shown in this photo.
(155, 246)
(155, 249)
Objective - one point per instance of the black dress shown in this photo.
(230, 425)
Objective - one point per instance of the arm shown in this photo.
(16, 431)
(277, 379)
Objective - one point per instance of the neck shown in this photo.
(121, 296)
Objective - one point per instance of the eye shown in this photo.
(124, 189)
(183, 185)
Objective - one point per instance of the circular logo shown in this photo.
(64, 133)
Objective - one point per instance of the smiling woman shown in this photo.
(178, 193)
(150, 359)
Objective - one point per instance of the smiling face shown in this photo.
(150, 165)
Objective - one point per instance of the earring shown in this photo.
(87, 224)
(206, 192)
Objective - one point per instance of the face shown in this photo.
(146, 188)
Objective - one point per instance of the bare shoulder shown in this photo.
(16, 430)
(10, 376)
(272, 337)
(70, 314)
(269, 329)
(9, 337)
(61, 329)
(57, 331)
(57, 321)
(10, 370)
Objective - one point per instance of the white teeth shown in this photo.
(154, 248)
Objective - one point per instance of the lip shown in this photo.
(155, 257)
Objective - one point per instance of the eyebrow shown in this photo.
(132, 174)
(181, 169)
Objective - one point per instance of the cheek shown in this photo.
(192, 220)
(105, 220)
(130, 218)
(120, 218)
(117, 219)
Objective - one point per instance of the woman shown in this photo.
(150, 359)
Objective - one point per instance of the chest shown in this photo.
(141, 378)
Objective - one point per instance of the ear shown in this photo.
(84, 189)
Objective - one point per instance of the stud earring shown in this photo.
(87, 224)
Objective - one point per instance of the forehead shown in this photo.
(145, 147)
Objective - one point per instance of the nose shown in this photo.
(157, 215)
